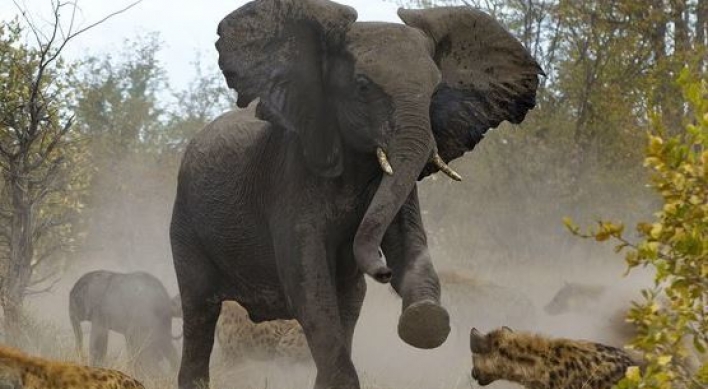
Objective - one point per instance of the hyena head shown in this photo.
(495, 357)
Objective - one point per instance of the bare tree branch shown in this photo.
(48, 224)
(56, 139)
(38, 260)
(6, 153)
(47, 289)
(92, 25)
(32, 25)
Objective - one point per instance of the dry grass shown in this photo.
(47, 339)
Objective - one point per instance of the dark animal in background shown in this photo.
(283, 206)
(539, 362)
(135, 305)
(607, 306)
(575, 297)
(472, 299)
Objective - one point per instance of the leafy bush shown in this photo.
(672, 321)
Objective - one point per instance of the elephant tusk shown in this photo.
(383, 161)
(440, 164)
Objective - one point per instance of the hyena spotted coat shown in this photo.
(538, 362)
(21, 371)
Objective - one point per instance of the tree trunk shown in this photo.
(19, 269)
(673, 108)
(702, 32)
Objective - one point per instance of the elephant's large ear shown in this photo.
(487, 76)
(278, 51)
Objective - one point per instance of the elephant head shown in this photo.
(411, 96)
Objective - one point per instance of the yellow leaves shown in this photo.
(654, 307)
(655, 230)
(664, 360)
(602, 236)
(632, 259)
(675, 247)
(568, 222)
(633, 374)
(696, 200)
(679, 181)
(653, 162)
(644, 228)
(655, 144)
(608, 230)
(702, 374)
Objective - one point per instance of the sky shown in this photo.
(187, 28)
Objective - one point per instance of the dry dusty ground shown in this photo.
(383, 360)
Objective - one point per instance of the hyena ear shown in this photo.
(479, 344)
(507, 329)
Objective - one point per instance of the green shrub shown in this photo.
(672, 319)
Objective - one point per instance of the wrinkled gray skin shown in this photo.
(136, 305)
(282, 207)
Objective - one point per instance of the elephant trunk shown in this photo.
(406, 153)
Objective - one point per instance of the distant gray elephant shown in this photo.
(136, 305)
(282, 207)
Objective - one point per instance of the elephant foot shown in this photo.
(424, 324)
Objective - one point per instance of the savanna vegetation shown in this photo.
(620, 132)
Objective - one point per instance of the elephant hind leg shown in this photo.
(98, 342)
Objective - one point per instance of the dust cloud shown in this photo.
(499, 265)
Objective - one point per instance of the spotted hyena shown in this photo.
(21, 371)
(538, 362)
(239, 337)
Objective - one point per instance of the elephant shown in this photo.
(136, 305)
(282, 204)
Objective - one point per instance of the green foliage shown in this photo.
(672, 321)
(206, 96)
(118, 103)
(137, 134)
(42, 161)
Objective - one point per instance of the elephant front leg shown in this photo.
(200, 310)
(98, 342)
(308, 284)
(423, 323)
(351, 290)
